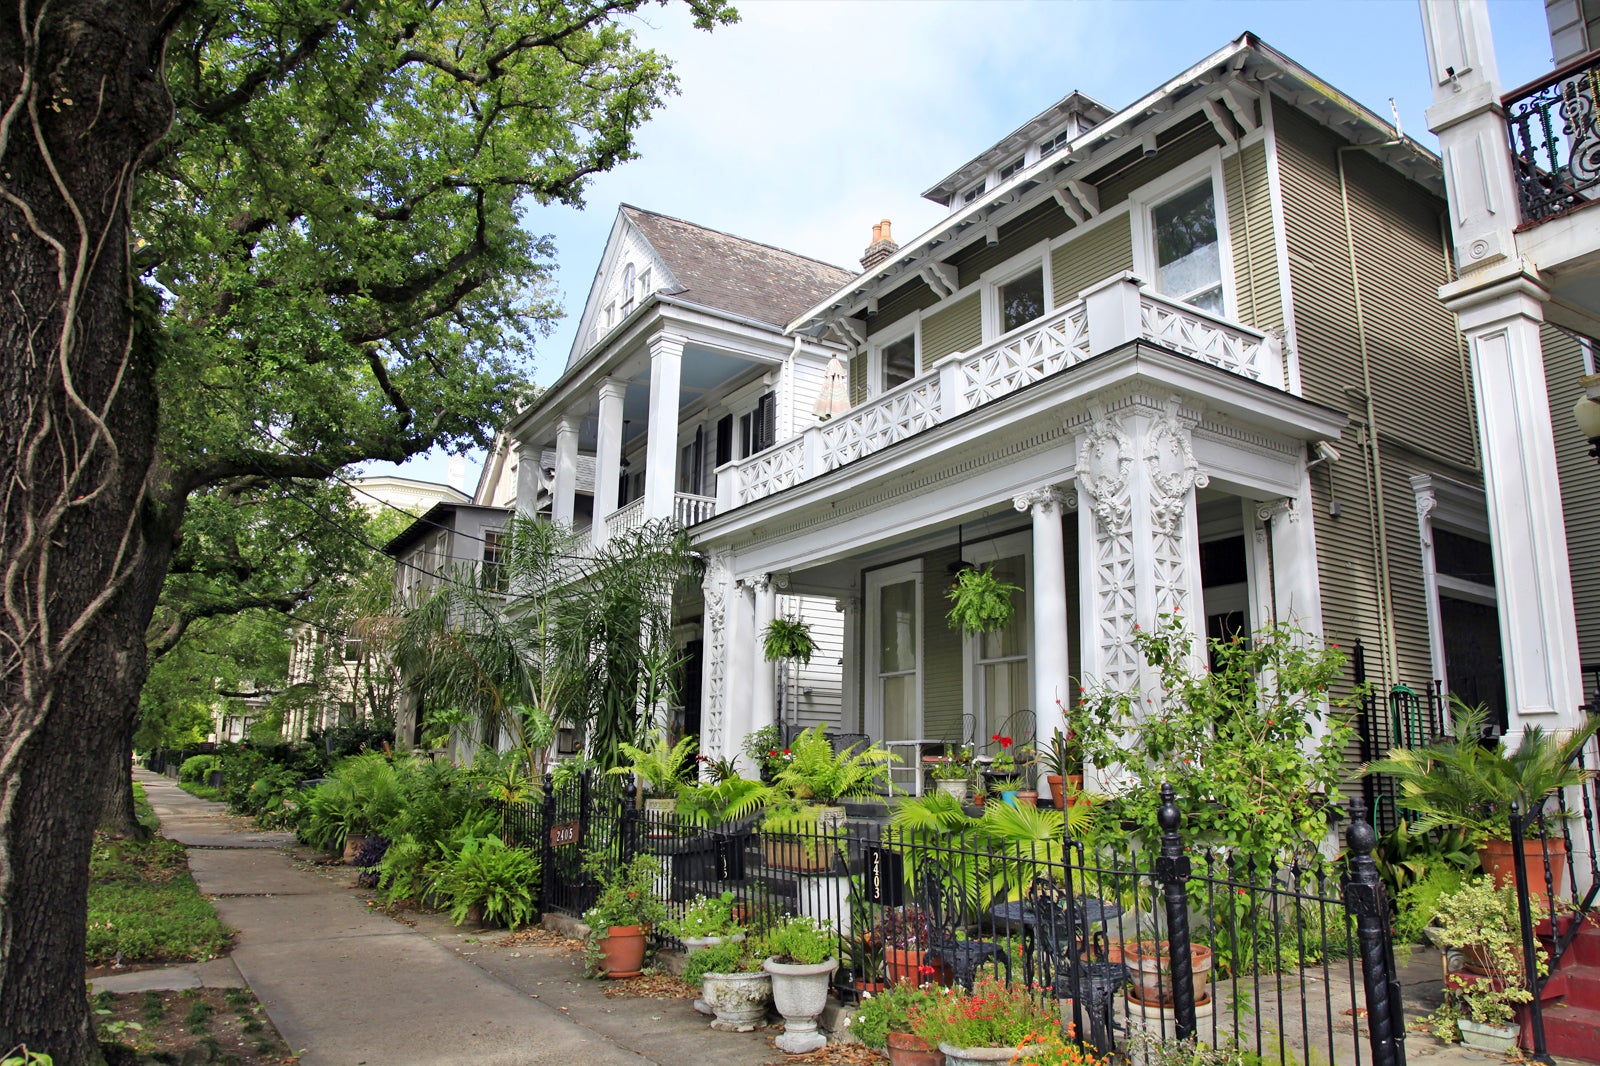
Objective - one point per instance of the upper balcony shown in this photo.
(1555, 139)
(1105, 317)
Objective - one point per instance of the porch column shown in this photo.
(1050, 670)
(1288, 587)
(851, 716)
(763, 699)
(607, 456)
(661, 454)
(562, 504)
(739, 611)
(528, 459)
(714, 733)
(1140, 553)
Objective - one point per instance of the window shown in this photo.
(972, 193)
(691, 461)
(351, 650)
(724, 439)
(627, 289)
(899, 361)
(496, 571)
(1021, 299)
(611, 315)
(1188, 253)
(1056, 143)
(1011, 168)
(644, 285)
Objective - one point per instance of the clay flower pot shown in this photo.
(622, 951)
(1497, 859)
(1151, 968)
(907, 1049)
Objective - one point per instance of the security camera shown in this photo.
(1325, 452)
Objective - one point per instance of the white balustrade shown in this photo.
(1237, 349)
(902, 412)
(773, 470)
(687, 509)
(1026, 355)
(628, 517)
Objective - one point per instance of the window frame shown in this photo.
(1142, 203)
(985, 552)
(877, 366)
(1024, 262)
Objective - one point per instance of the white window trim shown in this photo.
(1143, 199)
(1449, 505)
(910, 326)
(988, 551)
(876, 580)
(1038, 256)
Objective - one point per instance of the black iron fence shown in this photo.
(1390, 717)
(1555, 139)
(1291, 963)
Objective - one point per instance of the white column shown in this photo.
(1050, 665)
(562, 506)
(1500, 315)
(1295, 596)
(763, 697)
(527, 478)
(740, 614)
(607, 456)
(715, 738)
(852, 717)
(661, 455)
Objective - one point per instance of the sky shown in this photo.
(808, 121)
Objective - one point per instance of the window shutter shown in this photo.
(766, 421)
(858, 379)
(724, 439)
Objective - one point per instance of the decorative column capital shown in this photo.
(1267, 510)
(756, 582)
(664, 342)
(612, 389)
(847, 605)
(1050, 499)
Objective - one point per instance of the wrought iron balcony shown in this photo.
(1555, 139)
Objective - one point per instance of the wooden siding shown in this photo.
(1175, 148)
(858, 379)
(907, 299)
(1038, 224)
(1257, 289)
(805, 386)
(1103, 251)
(956, 327)
(943, 657)
(1415, 367)
(817, 687)
(1580, 488)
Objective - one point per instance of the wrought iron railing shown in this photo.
(1555, 139)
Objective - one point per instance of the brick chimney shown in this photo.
(881, 248)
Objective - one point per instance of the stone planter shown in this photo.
(958, 789)
(973, 1056)
(692, 943)
(739, 1000)
(907, 1049)
(800, 992)
(1488, 1037)
(353, 843)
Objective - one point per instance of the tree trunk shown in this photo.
(85, 542)
(118, 815)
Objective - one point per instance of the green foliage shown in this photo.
(787, 638)
(1482, 919)
(1418, 903)
(145, 906)
(994, 1015)
(890, 1011)
(21, 1056)
(196, 767)
(730, 956)
(954, 765)
(706, 916)
(627, 893)
(1463, 781)
(729, 799)
(660, 765)
(764, 747)
(1405, 857)
(362, 796)
(980, 602)
(799, 940)
(816, 773)
(487, 874)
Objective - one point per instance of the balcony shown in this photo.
(1108, 316)
(1555, 139)
(687, 509)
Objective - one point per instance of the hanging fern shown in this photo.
(981, 602)
(788, 638)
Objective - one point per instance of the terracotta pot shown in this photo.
(1151, 968)
(353, 843)
(1496, 857)
(907, 1049)
(622, 951)
(869, 988)
(803, 854)
(902, 964)
(1028, 797)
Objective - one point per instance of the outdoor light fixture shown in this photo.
(1587, 413)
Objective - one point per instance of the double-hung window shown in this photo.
(1187, 247)
(1021, 299)
(897, 362)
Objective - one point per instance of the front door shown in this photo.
(894, 664)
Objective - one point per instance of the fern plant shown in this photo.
(819, 774)
(980, 601)
(788, 638)
(659, 766)
(489, 875)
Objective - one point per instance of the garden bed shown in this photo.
(194, 1026)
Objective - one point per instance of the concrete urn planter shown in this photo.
(691, 943)
(1500, 1041)
(800, 992)
(974, 1056)
(739, 1000)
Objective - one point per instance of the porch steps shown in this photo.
(1572, 999)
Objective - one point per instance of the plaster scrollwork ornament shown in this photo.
(1174, 471)
(1427, 502)
(715, 587)
(1105, 458)
(1051, 499)
(758, 582)
(1282, 507)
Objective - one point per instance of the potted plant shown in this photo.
(952, 771)
(1063, 766)
(988, 1026)
(706, 921)
(626, 908)
(488, 881)
(1006, 788)
(1002, 766)
(658, 769)
(1150, 963)
(765, 748)
(884, 1022)
(787, 639)
(801, 961)
(817, 774)
(979, 601)
(791, 840)
(732, 985)
(906, 933)
(1467, 781)
(1480, 920)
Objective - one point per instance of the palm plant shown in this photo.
(819, 774)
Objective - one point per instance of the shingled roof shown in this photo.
(728, 273)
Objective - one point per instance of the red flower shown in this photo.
(773, 753)
(786, 751)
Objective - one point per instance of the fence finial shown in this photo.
(1167, 815)
(1364, 899)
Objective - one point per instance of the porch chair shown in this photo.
(940, 898)
(1061, 939)
(843, 741)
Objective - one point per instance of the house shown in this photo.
(1185, 356)
(1528, 298)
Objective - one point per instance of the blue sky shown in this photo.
(810, 120)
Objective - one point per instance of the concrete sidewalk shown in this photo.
(347, 986)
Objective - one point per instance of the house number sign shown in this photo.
(885, 876)
(563, 833)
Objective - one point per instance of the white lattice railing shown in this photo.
(1101, 321)
(627, 517)
(688, 509)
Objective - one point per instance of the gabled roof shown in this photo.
(726, 273)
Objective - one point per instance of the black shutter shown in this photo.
(766, 422)
(724, 439)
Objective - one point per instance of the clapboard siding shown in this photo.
(943, 658)
(1175, 148)
(1257, 289)
(1098, 254)
(1580, 488)
(816, 688)
(1017, 236)
(907, 299)
(804, 388)
(957, 327)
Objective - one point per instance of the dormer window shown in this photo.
(1056, 143)
(1011, 168)
(972, 194)
(627, 289)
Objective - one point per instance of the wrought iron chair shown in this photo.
(842, 741)
(940, 898)
(1061, 938)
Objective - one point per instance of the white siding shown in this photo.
(815, 688)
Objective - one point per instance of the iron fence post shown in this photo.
(1172, 870)
(547, 859)
(1530, 946)
(1365, 899)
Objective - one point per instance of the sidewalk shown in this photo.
(347, 986)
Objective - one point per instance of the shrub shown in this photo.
(994, 1015)
(800, 941)
(627, 894)
(730, 956)
(1418, 903)
(890, 1012)
(196, 767)
(486, 873)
